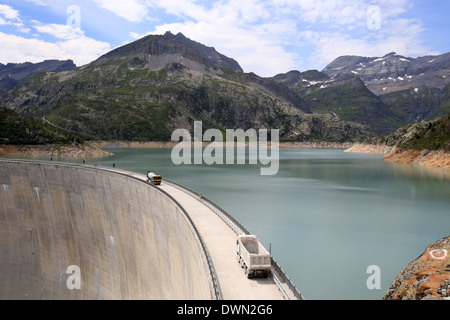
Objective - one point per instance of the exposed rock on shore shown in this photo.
(427, 158)
(425, 278)
(53, 151)
(369, 148)
(171, 144)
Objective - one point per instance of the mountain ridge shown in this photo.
(402, 89)
(12, 74)
(146, 50)
(148, 87)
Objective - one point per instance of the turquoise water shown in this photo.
(327, 215)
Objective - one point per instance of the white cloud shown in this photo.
(9, 12)
(268, 37)
(11, 17)
(265, 36)
(395, 34)
(70, 43)
(81, 50)
(243, 30)
(37, 2)
(131, 10)
(60, 31)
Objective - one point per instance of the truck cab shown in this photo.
(154, 178)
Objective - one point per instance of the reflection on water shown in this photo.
(328, 215)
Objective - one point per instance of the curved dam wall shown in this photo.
(127, 239)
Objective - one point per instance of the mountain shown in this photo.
(148, 88)
(382, 93)
(393, 72)
(156, 51)
(346, 98)
(15, 129)
(415, 89)
(13, 73)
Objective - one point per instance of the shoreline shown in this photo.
(425, 158)
(53, 151)
(171, 144)
(94, 149)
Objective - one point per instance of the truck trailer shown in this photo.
(252, 256)
(154, 178)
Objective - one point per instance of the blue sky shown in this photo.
(265, 37)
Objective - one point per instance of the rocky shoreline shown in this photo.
(426, 158)
(171, 144)
(93, 149)
(425, 278)
(53, 151)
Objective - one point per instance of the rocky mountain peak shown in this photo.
(156, 51)
(393, 72)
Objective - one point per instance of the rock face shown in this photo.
(425, 278)
(426, 158)
(393, 72)
(383, 93)
(426, 144)
(12, 74)
(156, 51)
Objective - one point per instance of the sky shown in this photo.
(266, 37)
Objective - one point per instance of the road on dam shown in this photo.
(220, 240)
(129, 239)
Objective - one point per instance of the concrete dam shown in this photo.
(82, 232)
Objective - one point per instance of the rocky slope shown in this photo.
(347, 98)
(393, 72)
(12, 74)
(154, 52)
(426, 158)
(15, 129)
(384, 93)
(145, 90)
(20, 137)
(426, 144)
(425, 278)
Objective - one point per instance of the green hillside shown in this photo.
(434, 135)
(14, 129)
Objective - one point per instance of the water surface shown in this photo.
(327, 215)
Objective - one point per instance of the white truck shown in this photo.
(252, 256)
(154, 178)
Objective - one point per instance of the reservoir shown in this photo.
(327, 216)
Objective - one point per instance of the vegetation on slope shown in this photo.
(14, 129)
(434, 135)
(117, 100)
(431, 135)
